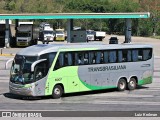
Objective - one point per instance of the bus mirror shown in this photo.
(35, 63)
(6, 64)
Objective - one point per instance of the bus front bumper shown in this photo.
(25, 90)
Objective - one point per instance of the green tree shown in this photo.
(139, 26)
(9, 5)
(152, 6)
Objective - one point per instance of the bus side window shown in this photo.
(140, 55)
(98, 57)
(112, 56)
(76, 59)
(120, 56)
(70, 60)
(51, 57)
(129, 56)
(86, 58)
(124, 55)
(147, 54)
(65, 59)
(105, 57)
(60, 61)
(79, 58)
(91, 57)
(41, 70)
(135, 55)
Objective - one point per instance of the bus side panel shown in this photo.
(146, 77)
(143, 70)
(40, 86)
(107, 75)
(99, 77)
(56, 77)
(68, 77)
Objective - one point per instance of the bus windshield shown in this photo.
(21, 69)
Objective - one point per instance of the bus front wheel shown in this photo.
(132, 84)
(57, 92)
(121, 84)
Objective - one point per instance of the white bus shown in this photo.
(56, 69)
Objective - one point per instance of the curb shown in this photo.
(7, 55)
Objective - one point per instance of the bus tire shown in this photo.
(121, 84)
(57, 92)
(132, 84)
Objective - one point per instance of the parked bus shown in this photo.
(42, 70)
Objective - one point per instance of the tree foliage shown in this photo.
(139, 26)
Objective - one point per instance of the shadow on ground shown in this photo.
(30, 98)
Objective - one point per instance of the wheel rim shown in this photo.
(132, 83)
(122, 85)
(57, 91)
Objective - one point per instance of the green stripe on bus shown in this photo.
(92, 87)
(147, 80)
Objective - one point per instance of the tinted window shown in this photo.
(134, 55)
(91, 57)
(49, 56)
(147, 54)
(105, 57)
(112, 56)
(41, 70)
(102, 57)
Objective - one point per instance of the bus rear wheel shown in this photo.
(121, 84)
(132, 84)
(57, 92)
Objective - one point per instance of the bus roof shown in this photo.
(37, 50)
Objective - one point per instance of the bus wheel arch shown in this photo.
(122, 84)
(132, 84)
(57, 91)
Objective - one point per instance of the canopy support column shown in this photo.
(7, 34)
(128, 30)
(69, 29)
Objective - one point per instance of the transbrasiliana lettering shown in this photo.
(106, 68)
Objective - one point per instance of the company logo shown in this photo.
(6, 114)
(21, 114)
(106, 68)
